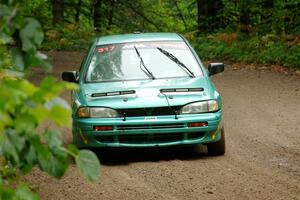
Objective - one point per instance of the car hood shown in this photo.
(147, 93)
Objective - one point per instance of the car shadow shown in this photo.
(125, 156)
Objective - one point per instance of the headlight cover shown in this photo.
(97, 112)
(200, 107)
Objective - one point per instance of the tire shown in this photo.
(217, 148)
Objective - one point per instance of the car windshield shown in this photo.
(133, 61)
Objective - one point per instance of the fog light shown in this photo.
(197, 124)
(214, 135)
(103, 128)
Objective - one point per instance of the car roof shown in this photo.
(138, 37)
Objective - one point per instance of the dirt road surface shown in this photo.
(262, 125)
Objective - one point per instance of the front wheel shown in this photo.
(217, 148)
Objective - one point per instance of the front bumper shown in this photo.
(147, 131)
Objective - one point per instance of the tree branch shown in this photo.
(180, 14)
(141, 14)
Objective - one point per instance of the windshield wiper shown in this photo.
(145, 70)
(178, 62)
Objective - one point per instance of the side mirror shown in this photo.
(71, 76)
(215, 68)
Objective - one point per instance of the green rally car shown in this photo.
(145, 90)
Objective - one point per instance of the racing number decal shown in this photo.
(105, 49)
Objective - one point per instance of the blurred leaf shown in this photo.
(17, 140)
(27, 87)
(37, 59)
(40, 113)
(57, 165)
(5, 119)
(54, 159)
(53, 139)
(7, 193)
(71, 86)
(42, 153)
(18, 59)
(48, 90)
(57, 101)
(31, 34)
(31, 155)
(10, 151)
(88, 164)
(25, 123)
(73, 149)
(29, 159)
(11, 73)
(61, 116)
(24, 106)
(24, 193)
(42, 57)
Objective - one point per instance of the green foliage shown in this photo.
(262, 26)
(22, 192)
(38, 9)
(266, 49)
(24, 107)
(69, 37)
(146, 16)
(87, 164)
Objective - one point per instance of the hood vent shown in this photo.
(181, 90)
(104, 94)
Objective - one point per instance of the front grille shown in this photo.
(150, 126)
(150, 138)
(155, 111)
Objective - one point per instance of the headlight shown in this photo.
(200, 107)
(97, 112)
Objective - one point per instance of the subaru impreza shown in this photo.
(146, 90)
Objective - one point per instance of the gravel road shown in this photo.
(262, 127)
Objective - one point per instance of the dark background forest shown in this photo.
(260, 31)
(240, 31)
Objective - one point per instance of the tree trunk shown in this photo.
(199, 16)
(141, 14)
(58, 11)
(268, 4)
(111, 13)
(97, 14)
(245, 18)
(180, 15)
(78, 8)
(208, 11)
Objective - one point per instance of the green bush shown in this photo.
(72, 37)
(267, 50)
(24, 107)
(68, 37)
